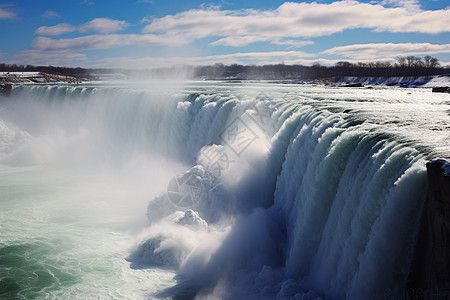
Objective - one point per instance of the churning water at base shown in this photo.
(213, 190)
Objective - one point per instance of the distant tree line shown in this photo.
(404, 66)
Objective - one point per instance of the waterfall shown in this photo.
(302, 200)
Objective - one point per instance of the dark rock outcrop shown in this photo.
(5, 89)
(357, 84)
(430, 273)
(441, 89)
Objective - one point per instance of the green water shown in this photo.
(61, 237)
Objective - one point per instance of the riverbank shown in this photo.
(8, 79)
(406, 82)
(36, 77)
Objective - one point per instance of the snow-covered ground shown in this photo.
(422, 81)
(438, 81)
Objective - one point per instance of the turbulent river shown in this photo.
(213, 190)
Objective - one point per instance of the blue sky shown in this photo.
(151, 33)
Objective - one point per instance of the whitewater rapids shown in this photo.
(213, 190)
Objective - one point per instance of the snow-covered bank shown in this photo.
(35, 77)
(422, 81)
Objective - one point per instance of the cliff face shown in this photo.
(430, 271)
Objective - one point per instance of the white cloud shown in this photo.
(240, 41)
(408, 4)
(292, 43)
(37, 57)
(49, 14)
(294, 20)
(87, 2)
(146, 20)
(55, 30)
(259, 58)
(103, 42)
(103, 25)
(386, 50)
(263, 55)
(6, 14)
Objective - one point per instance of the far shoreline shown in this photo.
(438, 83)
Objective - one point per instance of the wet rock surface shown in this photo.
(430, 273)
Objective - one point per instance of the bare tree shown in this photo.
(401, 61)
(431, 62)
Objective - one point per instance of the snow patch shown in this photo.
(422, 81)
